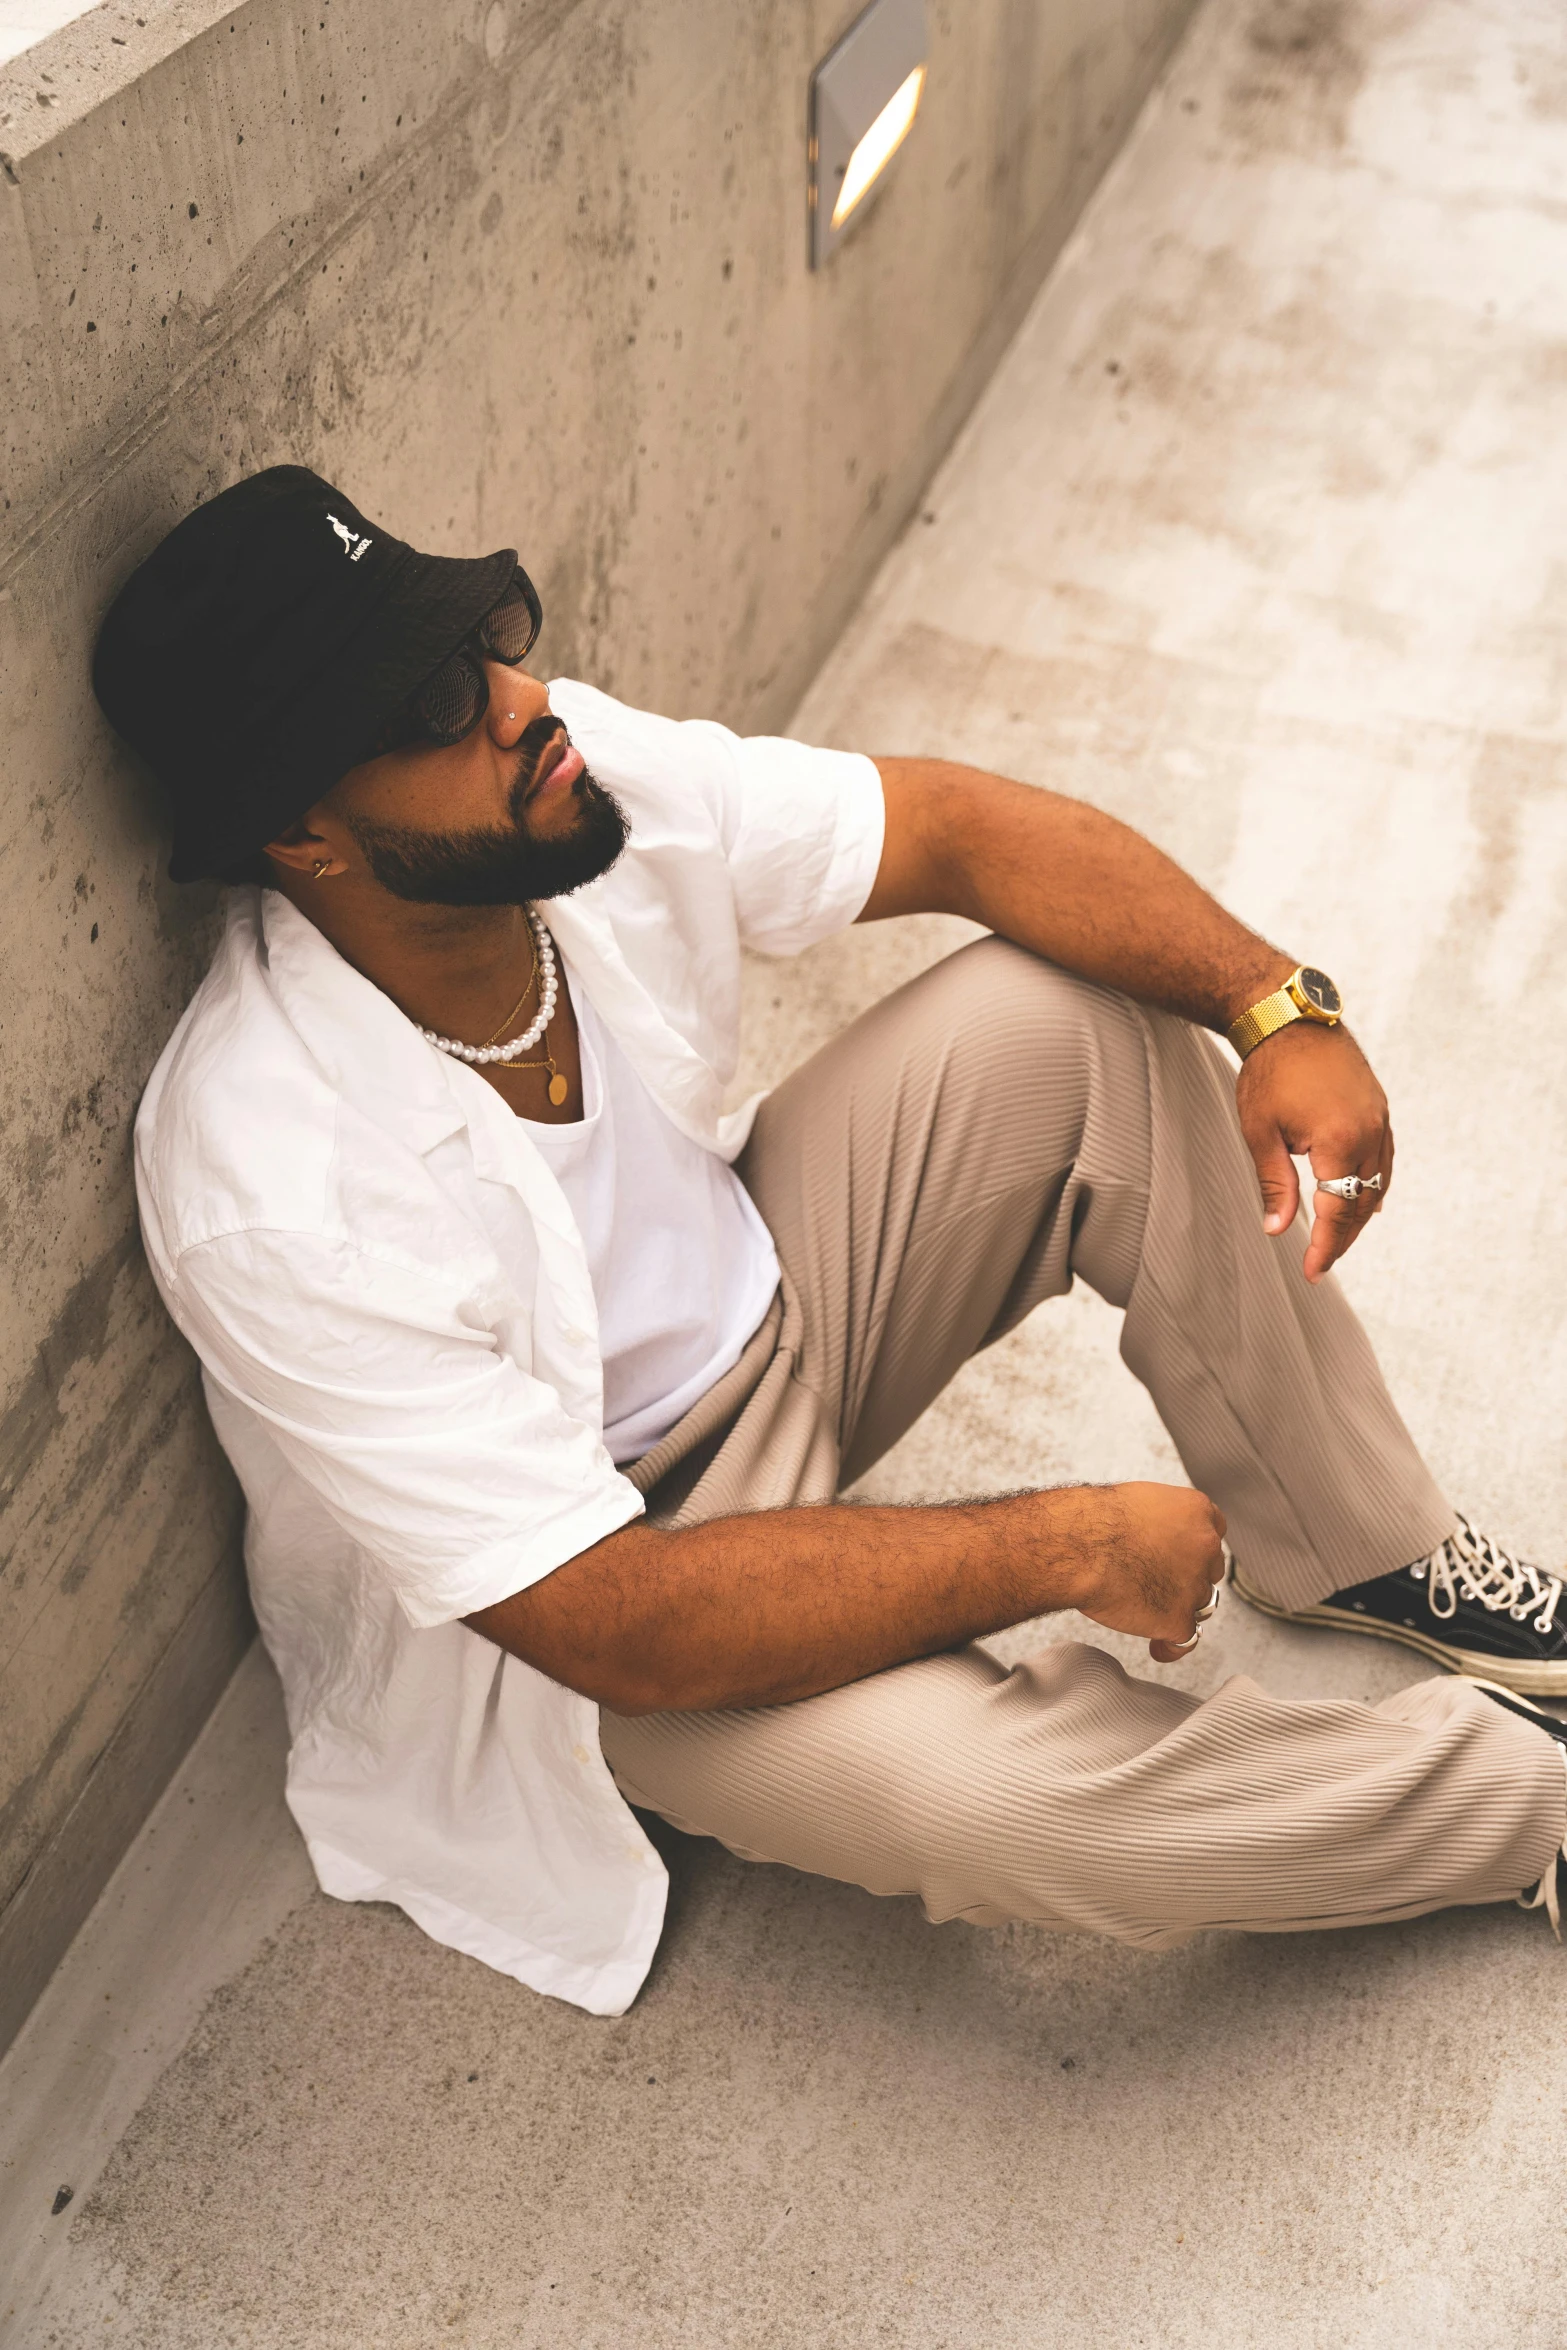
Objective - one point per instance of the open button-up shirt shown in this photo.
(399, 1338)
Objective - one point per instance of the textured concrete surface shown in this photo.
(521, 272)
(1256, 536)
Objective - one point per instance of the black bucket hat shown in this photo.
(258, 652)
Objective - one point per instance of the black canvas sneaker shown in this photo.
(1469, 1606)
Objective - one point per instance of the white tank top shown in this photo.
(683, 1268)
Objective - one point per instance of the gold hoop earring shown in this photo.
(320, 867)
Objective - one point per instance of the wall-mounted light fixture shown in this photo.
(864, 97)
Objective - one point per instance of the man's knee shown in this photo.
(993, 982)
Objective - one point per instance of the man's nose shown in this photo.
(516, 699)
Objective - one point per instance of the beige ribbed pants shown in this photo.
(955, 1157)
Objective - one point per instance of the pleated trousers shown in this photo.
(974, 1143)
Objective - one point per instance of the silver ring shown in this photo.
(1350, 1186)
(1185, 1647)
(1203, 1613)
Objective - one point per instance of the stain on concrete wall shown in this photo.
(520, 272)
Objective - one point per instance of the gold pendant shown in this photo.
(557, 1089)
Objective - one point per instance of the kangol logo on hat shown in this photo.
(252, 667)
(353, 547)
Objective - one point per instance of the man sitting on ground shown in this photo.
(541, 1374)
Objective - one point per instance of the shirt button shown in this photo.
(580, 1754)
(576, 1337)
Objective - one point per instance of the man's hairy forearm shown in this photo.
(782, 1603)
(1070, 882)
(759, 1609)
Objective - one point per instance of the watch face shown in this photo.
(1319, 991)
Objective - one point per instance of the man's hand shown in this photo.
(1311, 1091)
(1160, 1551)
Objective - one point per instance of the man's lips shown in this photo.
(558, 770)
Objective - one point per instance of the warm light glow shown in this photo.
(880, 143)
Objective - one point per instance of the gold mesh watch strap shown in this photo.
(1274, 1012)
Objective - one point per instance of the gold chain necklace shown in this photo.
(501, 1026)
(495, 1054)
(558, 1087)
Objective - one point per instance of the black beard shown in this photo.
(506, 865)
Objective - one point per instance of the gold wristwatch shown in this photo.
(1305, 995)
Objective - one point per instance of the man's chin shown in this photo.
(587, 830)
(553, 818)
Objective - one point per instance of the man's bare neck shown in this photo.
(447, 967)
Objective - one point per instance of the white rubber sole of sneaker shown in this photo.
(1528, 1680)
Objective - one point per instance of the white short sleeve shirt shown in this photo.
(392, 1304)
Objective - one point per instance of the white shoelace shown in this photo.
(1469, 1565)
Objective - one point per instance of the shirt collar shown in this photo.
(674, 1072)
(368, 1050)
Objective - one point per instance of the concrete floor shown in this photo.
(1257, 538)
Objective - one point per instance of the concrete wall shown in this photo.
(527, 272)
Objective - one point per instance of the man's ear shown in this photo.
(304, 849)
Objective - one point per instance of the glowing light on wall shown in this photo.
(880, 143)
(865, 95)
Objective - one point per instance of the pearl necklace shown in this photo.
(548, 988)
